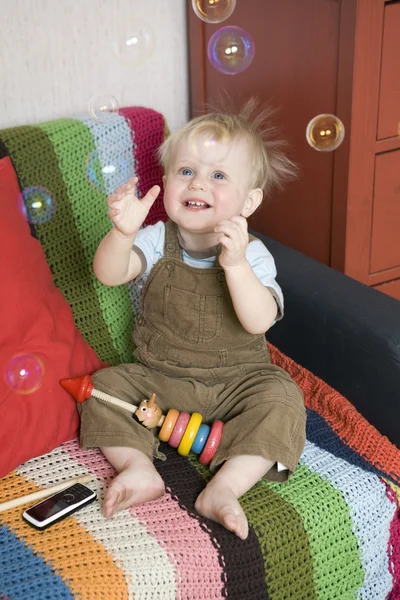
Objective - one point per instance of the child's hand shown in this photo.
(234, 239)
(126, 211)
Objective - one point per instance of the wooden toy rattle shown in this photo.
(180, 429)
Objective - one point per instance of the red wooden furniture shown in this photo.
(331, 56)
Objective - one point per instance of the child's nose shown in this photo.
(197, 183)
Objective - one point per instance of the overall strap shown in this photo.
(216, 262)
(171, 244)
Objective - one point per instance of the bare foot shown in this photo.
(218, 502)
(135, 484)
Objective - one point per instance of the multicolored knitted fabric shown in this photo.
(80, 162)
(332, 532)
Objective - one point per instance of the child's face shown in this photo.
(207, 183)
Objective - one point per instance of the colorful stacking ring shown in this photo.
(212, 443)
(168, 425)
(200, 439)
(179, 429)
(190, 433)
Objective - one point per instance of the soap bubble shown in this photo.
(24, 373)
(37, 205)
(108, 167)
(136, 44)
(325, 133)
(231, 50)
(100, 107)
(213, 11)
(208, 147)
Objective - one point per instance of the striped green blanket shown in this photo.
(332, 532)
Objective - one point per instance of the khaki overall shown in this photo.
(195, 355)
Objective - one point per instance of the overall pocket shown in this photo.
(193, 317)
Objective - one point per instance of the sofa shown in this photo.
(331, 532)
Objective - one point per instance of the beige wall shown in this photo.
(55, 55)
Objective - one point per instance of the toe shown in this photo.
(108, 509)
(235, 521)
(228, 518)
(111, 501)
(244, 528)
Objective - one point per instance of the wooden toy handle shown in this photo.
(112, 400)
(43, 493)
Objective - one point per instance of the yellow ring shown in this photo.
(168, 425)
(190, 433)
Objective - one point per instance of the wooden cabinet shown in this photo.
(313, 57)
(385, 246)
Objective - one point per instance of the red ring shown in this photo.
(212, 443)
(179, 430)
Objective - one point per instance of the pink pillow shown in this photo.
(36, 321)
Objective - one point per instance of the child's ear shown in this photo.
(253, 201)
(164, 180)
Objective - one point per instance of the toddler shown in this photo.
(210, 295)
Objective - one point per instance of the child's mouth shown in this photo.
(196, 206)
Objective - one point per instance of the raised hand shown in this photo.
(234, 239)
(126, 211)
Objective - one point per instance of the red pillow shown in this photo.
(36, 321)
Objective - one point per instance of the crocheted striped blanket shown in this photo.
(77, 163)
(331, 533)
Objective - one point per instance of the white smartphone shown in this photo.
(57, 507)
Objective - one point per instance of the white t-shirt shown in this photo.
(150, 240)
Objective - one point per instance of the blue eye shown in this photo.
(218, 175)
(187, 172)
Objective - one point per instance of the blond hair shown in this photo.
(269, 165)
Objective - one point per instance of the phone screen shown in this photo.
(46, 509)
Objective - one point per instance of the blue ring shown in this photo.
(200, 439)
